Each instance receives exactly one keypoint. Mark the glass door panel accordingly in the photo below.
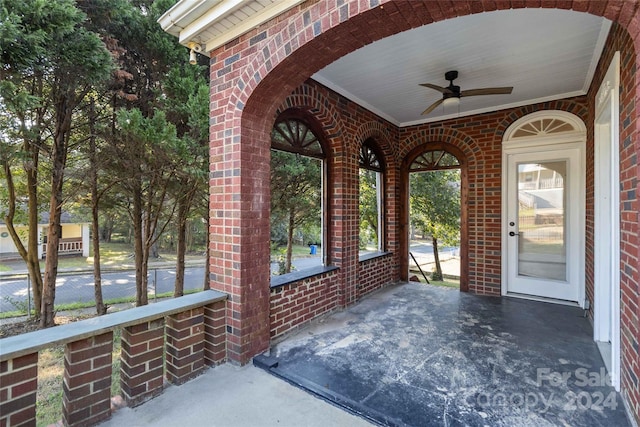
(541, 220)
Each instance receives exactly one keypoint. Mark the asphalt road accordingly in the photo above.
(80, 287)
(423, 252)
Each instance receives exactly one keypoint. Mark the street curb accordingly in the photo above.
(5, 275)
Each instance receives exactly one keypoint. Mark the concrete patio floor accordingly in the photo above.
(419, 355)
(233, 396)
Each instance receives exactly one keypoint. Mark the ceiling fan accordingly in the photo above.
(453, 92)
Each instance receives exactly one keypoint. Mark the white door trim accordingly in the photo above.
(606, 304)
(546, 140)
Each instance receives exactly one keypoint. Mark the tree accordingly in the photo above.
(94, 167)
(20, 145)
(435, 208)
(187, 106)
(141, 155)
(49, 63)
(157, 82)
(81, 60)
(108, 18)
(295, 194)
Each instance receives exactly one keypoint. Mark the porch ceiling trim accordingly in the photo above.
(212, 23)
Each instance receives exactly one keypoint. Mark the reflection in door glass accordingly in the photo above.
(541, 220)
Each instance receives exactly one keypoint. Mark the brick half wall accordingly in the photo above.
(375, 273)
(296, 303)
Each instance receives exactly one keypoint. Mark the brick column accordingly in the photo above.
(87, 381)
(185, 345)
(215, 329)
(18, 385)
(239, 230)
(141, 370)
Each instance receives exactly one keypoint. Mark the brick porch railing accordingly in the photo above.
(193, 328)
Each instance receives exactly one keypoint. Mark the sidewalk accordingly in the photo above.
(233, 396)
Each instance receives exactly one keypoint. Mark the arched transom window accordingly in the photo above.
(543, 126)
(295, 136)
(434, 160)
(368, 158)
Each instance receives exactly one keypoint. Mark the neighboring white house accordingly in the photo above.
(74, 238)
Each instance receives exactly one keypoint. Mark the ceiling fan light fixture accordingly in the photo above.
(452, 93)
(453, 101)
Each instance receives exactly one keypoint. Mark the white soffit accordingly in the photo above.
(545, 54)
(212, 23)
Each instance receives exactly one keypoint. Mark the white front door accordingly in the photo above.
(544, 215)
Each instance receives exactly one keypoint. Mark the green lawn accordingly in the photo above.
(447, 283)
(298, 251)
(22, 311)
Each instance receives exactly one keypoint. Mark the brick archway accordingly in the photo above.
(312, 101)
(251, 76)
(307, 98)
(385, 141)
(383, 137)
(323, 32)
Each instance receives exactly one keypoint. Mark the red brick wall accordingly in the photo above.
(142, 361)
(276, 58)
(345, 126)
(479, 138)
(375, 273)
(18, 389)
(619, 40)
(86, 383)
(296, 303)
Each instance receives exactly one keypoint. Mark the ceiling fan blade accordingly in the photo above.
(432, 107)
(436, 87)
(487, 91)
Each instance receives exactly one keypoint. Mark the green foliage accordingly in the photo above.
(296, 198)
(127, 87)
(46, 40)
(154, 131)
(295, 190)
(368, 209)
(281, 259)
(21, 307)
(47, 55)
(435, 204)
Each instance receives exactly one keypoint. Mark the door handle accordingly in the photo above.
(513, 233)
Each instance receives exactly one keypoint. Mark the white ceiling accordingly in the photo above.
(545, 54)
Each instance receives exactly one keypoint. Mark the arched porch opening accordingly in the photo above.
(278, 57)
(410, 165)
